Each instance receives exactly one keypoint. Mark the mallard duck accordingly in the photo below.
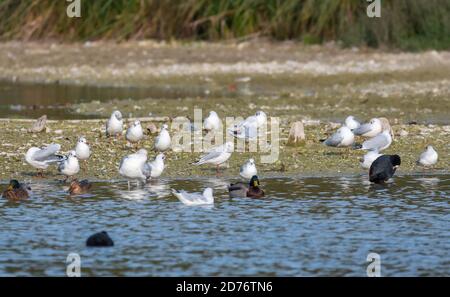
(242, 190)
(81, 187)
(15, 191)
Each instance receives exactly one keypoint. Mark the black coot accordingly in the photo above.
(383, 168)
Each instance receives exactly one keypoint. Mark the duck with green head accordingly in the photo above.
(252, 190)
(15, 191)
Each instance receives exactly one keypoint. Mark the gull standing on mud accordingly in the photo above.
(248, 169)
(134, 132)
(82, 149)
(429, 157)
(248, 128)
(342, 137)
(41, 158)
(69, 166)
(351, 123)
(163, 141)
(380, 142)
(217, 155)
(212, 122)
(132, 166)
(204, 198)
(370, 129)
(368, 158)
(154, 168)
(114, 126)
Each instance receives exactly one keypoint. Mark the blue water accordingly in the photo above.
(304, 227)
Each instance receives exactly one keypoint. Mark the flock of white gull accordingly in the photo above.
(135, 166)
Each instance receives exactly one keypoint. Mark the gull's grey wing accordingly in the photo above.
(61, 166)
(334, 140)
(209, 156)
(364, 128)
(147, 170)
(376, 142)
(46, 152)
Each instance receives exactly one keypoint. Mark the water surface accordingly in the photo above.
(304, 227)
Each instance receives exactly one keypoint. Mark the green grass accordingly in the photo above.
(405, 24)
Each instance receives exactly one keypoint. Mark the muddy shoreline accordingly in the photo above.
(308, 159)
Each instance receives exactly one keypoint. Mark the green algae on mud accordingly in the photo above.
(310, 159)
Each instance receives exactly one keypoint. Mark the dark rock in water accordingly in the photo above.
(100, 239)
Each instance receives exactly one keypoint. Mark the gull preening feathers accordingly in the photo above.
(155, 168)
(163, 141)
(429, 157)
(211, 122)
(351, 123)
(114, 126)
(41, 158)
(370, 129)
(342, 137)
(204, 198)
(248, 169)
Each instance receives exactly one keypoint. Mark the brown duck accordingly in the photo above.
(242, 190)
(77, 188)
(15, 191)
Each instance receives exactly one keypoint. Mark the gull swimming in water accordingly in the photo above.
(41, 158)
(134, 132)
(163, 141)
(132, 166)
(248, 169)
(211, 122)
(69, 165)
(370, 129)
(429, 157)
(82, 149)
(380, 142)
(155, 168)
(351, 122)
(383, 168)
(204, 198)
(217, 155)
(368, 158)
(248, 128)
(342, 137)
(114, 126)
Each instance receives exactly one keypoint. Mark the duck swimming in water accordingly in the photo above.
(242, 190)
(15, 191)
(77, 188)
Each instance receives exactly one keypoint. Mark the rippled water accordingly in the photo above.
(304, 227)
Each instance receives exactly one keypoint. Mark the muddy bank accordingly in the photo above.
(310, 158)
(285, 79)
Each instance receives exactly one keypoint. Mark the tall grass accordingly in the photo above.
(406, 24)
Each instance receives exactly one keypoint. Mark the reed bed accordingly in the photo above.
(404, 24)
